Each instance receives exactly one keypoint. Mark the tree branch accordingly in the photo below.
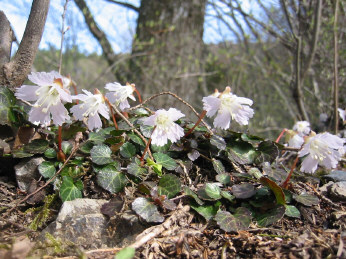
(15, 72)
(96, 32)
(127, 5)
(6, 37)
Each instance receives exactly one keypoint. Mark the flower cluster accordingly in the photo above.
(295, 137)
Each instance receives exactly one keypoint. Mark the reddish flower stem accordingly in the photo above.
(113, 116)
(146, 148)
(139, 95)
(285, 183)
(60, 155)
(200, 118)
(280, 136)
(75, 91)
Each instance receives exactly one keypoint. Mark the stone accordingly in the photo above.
(338, 191)
(336, 176)
(80, 221)
(26, 171)
(325, 189)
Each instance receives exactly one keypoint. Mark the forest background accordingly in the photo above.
(286, 55)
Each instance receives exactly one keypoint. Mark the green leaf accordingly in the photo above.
(126, 253)
(227, 195)
(233, 223)
(47, 169)
(50, 153)
(306, 199)
(243, 191)
(71, 131)
(219, 142)
(68, 190)
(7, 100)
(161, 149)
(97, 137)
(37, 146)
(86, 147)
(128, 150)
(218, 166)
(147, 210)
(241, 152)
(146, 130)
(111, 180)
(213, 191)
(66, 147)
(292, 211)
(136, 170)
(101, 155)
(169, 185)
(223, 178)
(20, 153)
(136, 139)
(72, 171)
(207, 211)
(271, 216)
(277, 190)
(166, 161)
(156, 167)
(193, 195)
(268, 152)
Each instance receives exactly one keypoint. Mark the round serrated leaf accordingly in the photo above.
(223, 178)
(207, 211)
(271, 216)
(136, 139)
(111, 180)
(227, 195)
(306, 199)
(7, 100)
(166, 161)
(97, 137)
(101, 155)
(66, 147)
(147, 210)
(86, 147)
(169, 185)
(136, 170)
(292, 211)
(161, 149)
(47, 169)
(219, 142)
(233, 223)
(50, 153)
(146, 130)
(218, 166)
(243, 191)
(128, 150)
(193, 195)
(213, 191)
(68, 190)
(37, 146)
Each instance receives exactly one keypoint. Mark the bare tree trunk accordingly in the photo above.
(14, 72)
(6, 38)
(171, 34)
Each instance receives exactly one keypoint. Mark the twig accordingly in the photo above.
(178, 98)
(48, 182)
(62, 34)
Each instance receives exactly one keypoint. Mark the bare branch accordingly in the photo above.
(127, 5)
(15, 72)
(96, 31)
(6, 37)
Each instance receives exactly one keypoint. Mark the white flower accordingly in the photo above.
(322, 149)
(228, 106)
(342, 114)
(294, 139)
(49, 93)
(119, 93)
(165, 128)
(92, 105)
(302, 127)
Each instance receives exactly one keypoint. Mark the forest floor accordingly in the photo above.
(319, 233)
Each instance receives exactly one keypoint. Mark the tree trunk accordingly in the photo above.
(169, 34)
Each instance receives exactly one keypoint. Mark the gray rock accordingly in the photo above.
(325, 189)
(338, 191)
(26, 171)
(336, 176)
(80, 221)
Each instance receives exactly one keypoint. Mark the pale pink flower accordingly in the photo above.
(92, 105)
(119, 93)
(165, 126)
(322, 149)
(302, 127)
(295, 140)
(49, 94)
(342, 114)
(228, 107)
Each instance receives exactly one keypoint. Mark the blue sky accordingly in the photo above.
(118, 22)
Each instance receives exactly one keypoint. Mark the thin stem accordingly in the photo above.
(285, 183)
(60, 155)
(203, 113)
(280, 136)
(147, 147)
(75, 90)
(111, 109)
(139, 95)
(336, 78)
(178, 98)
